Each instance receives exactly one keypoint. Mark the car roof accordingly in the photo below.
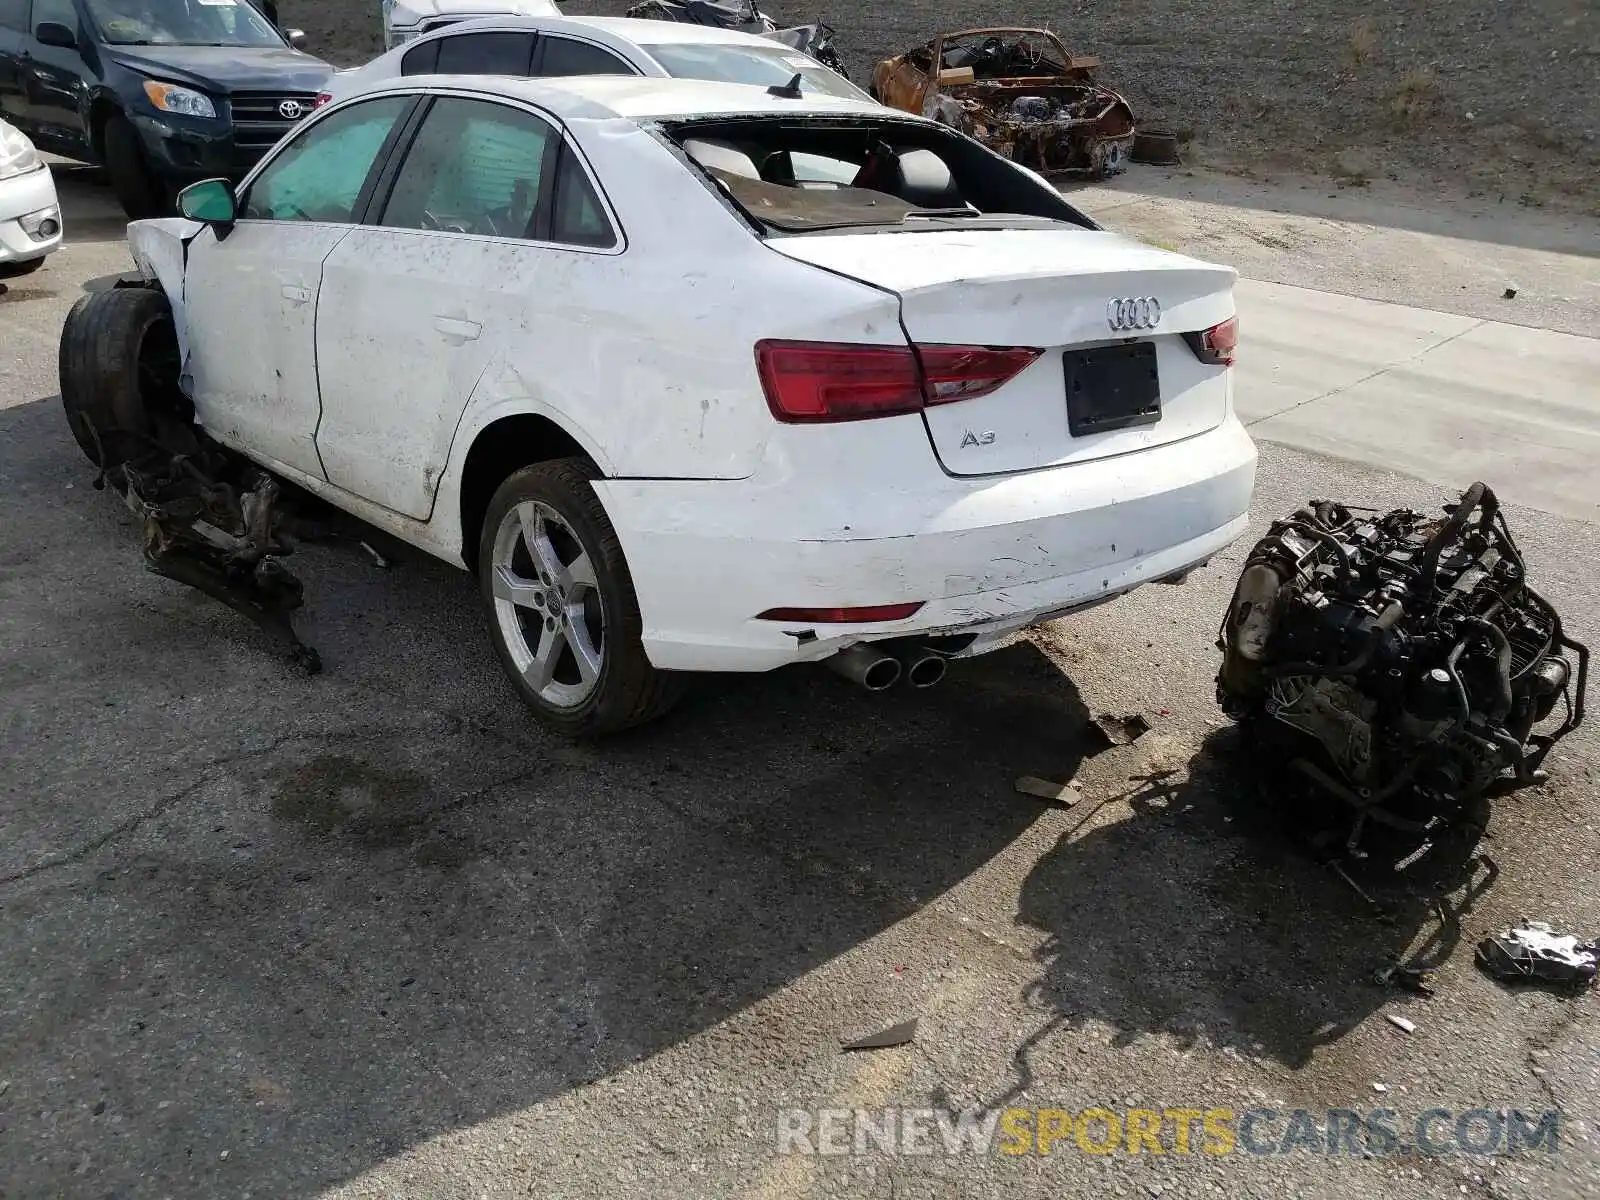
(614, 30)
(635, 98)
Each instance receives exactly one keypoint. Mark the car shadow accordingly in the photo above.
(1206, 916)
(312, 922)
(89, 210)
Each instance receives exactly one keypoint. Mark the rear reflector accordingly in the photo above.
(842, 616)
(842, 381)
(1217, 344)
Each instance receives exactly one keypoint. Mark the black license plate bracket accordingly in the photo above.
(1112, 387)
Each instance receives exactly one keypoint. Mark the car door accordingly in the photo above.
(251, 291)
(906, 85)
(430, 295)
(55, 81)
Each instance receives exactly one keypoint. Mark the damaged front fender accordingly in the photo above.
(160, 250)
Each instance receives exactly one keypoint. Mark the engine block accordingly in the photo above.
(1399, 656)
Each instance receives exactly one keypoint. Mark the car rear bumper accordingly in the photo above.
(982, 556)
(25, 201)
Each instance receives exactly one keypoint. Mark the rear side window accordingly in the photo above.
(579, 219)
(484, 54)
(422, 59)
(320, 175)
(563, 56)
(475, 167)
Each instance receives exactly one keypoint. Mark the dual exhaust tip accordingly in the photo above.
(880, 667)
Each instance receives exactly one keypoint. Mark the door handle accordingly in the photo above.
(457, 329)
(296, 295)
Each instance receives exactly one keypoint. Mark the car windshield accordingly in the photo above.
(182, 23)
(794, 175)
(752, 64)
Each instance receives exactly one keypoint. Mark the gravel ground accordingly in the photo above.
(1493, 99)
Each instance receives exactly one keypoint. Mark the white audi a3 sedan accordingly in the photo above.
(695, 377)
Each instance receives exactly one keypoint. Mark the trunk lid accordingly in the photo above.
(1048, 289)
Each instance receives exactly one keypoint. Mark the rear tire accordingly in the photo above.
(138, 190)
(119, 367)
(563, 614)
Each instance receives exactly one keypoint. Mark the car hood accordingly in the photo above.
(226, 69)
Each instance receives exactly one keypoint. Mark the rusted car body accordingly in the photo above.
(1020, 92)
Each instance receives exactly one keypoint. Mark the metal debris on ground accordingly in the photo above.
(1064, 794)
(895, 1035)
(1020, 92)
(1398, 663)
(1157, 147)
(1416, 980)
(1401, 1023)
(1534, 952)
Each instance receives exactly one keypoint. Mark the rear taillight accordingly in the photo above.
(1217, 344)
(324, 98)
(841, 381)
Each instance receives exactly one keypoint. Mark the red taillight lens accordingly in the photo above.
(324, 98)
(1217, 344)
(843, 616)
(966, 372)
(841, 381)
(827, 381)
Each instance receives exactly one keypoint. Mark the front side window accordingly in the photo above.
(563, 56)
(320, 175)
(475, 167)
(180, 23)
(58, 12)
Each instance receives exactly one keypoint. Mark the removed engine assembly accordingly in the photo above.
(1399, 663)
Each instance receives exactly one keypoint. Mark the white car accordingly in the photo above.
(407, 19)
(30, 214)
(628, 350)
(566, 46)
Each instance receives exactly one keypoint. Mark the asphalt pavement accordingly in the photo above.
(376, 934)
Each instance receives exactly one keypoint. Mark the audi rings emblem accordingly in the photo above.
(291, 110)
(1133, 312)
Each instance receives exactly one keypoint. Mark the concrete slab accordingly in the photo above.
(1444, 398)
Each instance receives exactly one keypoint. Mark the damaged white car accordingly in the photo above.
(692, 376)
(404, 20)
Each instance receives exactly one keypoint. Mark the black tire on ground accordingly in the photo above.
(12, 270)
(630, 691)
(138, 190)
(118, 366)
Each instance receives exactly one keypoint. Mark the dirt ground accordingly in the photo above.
(1492, 100)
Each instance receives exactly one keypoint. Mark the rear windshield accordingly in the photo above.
(752, 64)
(806, 175)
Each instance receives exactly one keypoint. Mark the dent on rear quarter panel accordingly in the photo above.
(157, 247)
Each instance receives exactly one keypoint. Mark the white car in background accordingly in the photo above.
(692, 376)
(559, 46)
(30, 214)
(407, 19)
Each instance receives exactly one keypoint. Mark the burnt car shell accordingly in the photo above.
(1020, 92)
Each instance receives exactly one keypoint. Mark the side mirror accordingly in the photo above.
(297, 38)
(53, 33)
(210, 200)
